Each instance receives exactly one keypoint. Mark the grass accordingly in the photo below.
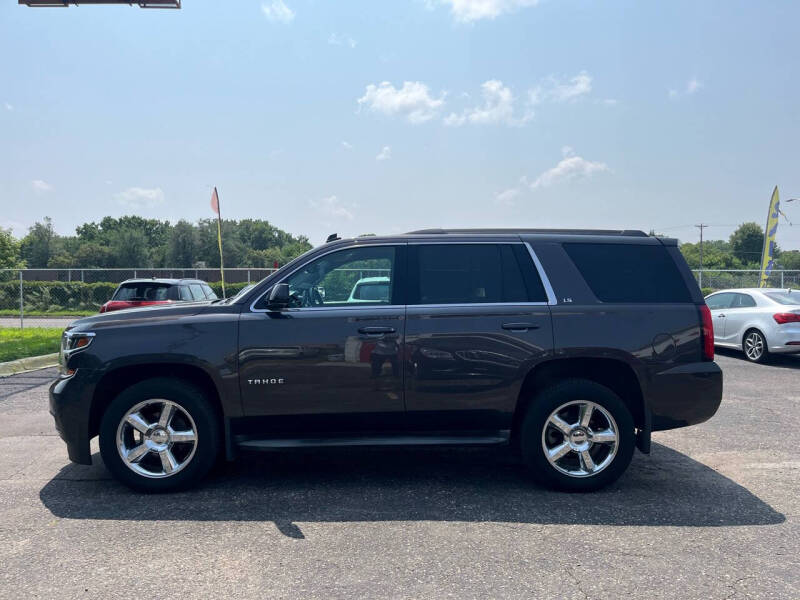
(21, 343)
(49, 313)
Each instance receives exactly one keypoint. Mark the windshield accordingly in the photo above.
(788, 297)
(142, 291)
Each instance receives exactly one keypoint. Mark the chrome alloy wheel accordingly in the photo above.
(579, 438)
(156, 438)
(754, 345)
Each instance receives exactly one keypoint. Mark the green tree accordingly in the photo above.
(9, 250)
(39, 245)
(747, 242)
(181, 246)
(130, 248)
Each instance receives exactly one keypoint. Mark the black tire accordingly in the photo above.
(761, 358)
(187, 398)
(533, 436)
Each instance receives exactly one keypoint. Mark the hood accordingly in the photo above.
(146, 314)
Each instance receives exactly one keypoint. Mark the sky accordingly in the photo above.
(383, 117)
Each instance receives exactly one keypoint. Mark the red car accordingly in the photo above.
(146, 292)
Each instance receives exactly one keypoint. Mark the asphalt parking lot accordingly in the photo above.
(712, 513)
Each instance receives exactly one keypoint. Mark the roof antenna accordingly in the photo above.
(332, 238)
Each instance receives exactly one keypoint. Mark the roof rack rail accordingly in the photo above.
(627, 232)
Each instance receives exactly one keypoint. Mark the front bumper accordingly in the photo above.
(70, 405)
(685, 395)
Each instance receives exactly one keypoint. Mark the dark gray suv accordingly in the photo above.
(571, 346)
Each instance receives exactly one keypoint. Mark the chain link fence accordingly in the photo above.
(33, 297)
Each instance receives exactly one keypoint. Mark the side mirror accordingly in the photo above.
(279, 297)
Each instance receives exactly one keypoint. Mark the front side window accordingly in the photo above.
(351, 277)
(720, 301)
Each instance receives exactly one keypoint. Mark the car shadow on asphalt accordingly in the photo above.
(415, 484)
(784, 361)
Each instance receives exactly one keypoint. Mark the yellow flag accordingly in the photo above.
(767, 254)
(215, 208)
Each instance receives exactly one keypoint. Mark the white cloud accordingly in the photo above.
(692, 87)
(413, 101)
(41, 186)
(385, 153)
(347, 145)
(559, 90)
(498, 107)
(331, 206)
(571, 167)
(136, 197)
(506, 197)
(8, 106)
(468, 11)
(277, 11)
(336, 39)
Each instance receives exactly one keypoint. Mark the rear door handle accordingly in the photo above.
(375, 331)
(519, 326)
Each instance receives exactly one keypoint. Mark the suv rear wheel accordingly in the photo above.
(159, 435)
(577, 436)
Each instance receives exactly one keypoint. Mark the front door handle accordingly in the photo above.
(375, 331)
(720, 316)
(519, 326)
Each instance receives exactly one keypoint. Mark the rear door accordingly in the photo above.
(477, 320)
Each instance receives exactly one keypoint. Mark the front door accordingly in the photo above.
(477, 321)
(331, 361)
(719, 304)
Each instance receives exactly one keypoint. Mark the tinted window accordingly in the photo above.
(719, 301)
(144, 290)
(197, 291)
(468, 273)
(743, 301)
(629, 272)
(185, 294)
(331, 279)
(208, 291)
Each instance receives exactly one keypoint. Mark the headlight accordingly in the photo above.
(72, 342)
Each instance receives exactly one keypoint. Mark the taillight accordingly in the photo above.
(783, 318)
(708, 332)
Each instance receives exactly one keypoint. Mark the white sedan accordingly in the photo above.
(758, 321)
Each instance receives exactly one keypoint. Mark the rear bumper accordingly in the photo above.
(685, 395)
(70, 405)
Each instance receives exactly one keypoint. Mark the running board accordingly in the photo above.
(488, 439)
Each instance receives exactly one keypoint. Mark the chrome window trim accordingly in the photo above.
(551, 295)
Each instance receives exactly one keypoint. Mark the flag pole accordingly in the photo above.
(219, 241)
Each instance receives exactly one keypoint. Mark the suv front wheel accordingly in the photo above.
(159, 435)
(577, 436)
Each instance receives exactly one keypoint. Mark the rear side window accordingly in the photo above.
(185, 294)
(629, 272)
(467, 274)
(208, 291)
(743, 301)
(142, 291)
(197, 291)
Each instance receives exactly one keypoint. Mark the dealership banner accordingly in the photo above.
(767, 254)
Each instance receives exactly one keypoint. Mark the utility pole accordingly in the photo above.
(701, 226)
